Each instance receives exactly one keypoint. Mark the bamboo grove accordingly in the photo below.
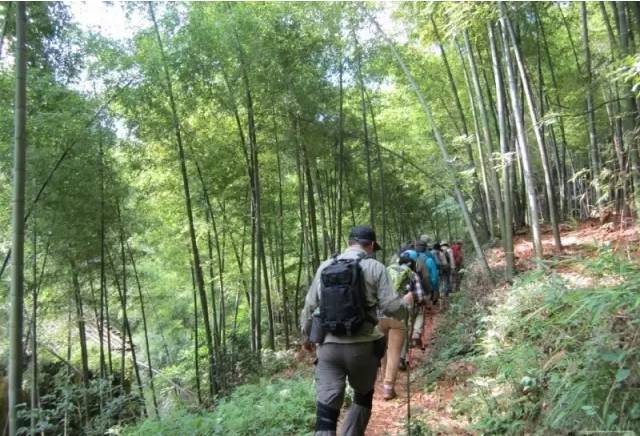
(183, 183)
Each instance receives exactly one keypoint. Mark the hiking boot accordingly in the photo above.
(388, 393)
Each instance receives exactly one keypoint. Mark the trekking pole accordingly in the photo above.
(407, 335)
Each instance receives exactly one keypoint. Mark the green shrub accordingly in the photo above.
(566, 358)
(552, 356)
(283, 407)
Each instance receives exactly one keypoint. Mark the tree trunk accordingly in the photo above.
(187, 198)
(522, 142)
(82, 336)
(479, 204)
(17, 221)
(340, 164)
(312, 231)
(493, 178)
(196, 345)
(629, 110)
(296, 298)
(383, 206)
(35, 398)
(103, 279)
(365, 131)
(454, 89)
(283, 276)
(123, 292)
(594, 153)
(267, 288)
(536, 129)
(322, 205)
(483, 166)
(108, 321)
(146, 331)
(506, 160)
(570, 36)
(214, 311)
(562, 171)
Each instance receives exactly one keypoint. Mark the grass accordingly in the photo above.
(281, 407)
(548, 357)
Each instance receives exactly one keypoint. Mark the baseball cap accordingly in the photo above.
(411, 254)
(365, 235)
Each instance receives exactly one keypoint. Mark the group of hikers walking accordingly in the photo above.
(359, 315)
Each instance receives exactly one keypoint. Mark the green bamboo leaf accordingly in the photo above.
(622, 375)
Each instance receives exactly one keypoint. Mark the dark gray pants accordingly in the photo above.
(336, 363)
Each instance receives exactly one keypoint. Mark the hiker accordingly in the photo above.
(428, 272)
(421, 268)
(431, 265)
(451, 263)
(348, 289)
(404, 280)
(456, 249)
(443, 271)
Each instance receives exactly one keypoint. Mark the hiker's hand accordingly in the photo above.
(409, 298)
(308, 346)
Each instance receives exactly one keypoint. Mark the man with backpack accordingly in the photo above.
(404, 280)
(430, 264)
(348, 290)
(448, 267)
(425, 264)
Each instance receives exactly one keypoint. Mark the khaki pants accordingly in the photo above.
(394, 330)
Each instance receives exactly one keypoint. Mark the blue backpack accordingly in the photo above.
(433, 268)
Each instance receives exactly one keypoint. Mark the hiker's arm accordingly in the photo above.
(311, 302)
(389, 301)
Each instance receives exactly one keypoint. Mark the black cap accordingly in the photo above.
(364, 235)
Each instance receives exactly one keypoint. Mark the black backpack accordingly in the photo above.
(342, 297)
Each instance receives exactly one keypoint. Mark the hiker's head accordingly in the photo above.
(408, 257)
(420, 246)
(404, 247)
(365, 237)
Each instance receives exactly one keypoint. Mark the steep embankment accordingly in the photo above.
(554, 353)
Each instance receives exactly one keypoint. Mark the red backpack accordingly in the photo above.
(457, 254)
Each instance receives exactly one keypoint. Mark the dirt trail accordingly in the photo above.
(389, 417)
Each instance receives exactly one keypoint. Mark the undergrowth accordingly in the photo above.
(544, 357)
(281, 407)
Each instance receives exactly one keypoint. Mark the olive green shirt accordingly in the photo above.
(378, 293)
